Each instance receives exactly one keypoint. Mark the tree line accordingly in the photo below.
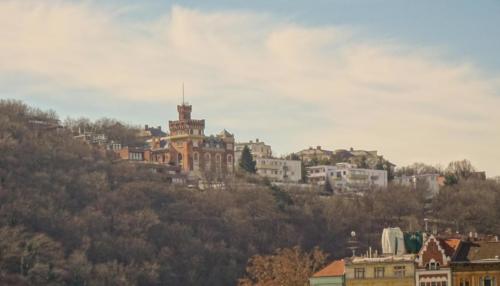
(71, 214)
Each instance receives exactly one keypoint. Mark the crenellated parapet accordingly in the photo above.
(179, 125)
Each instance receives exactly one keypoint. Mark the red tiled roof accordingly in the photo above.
(335, 268)
(450, 246)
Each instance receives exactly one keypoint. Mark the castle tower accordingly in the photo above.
(186, 135)
(184, 111)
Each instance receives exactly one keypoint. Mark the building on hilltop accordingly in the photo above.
(187, 147)
(258, 149)
(195, 152)
(276, 169)
(312, 155)
(345, 177)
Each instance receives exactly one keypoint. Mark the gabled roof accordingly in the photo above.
(336, 268)
(450, 246)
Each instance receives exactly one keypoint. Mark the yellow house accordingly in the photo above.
(477, 263)
(380, 271)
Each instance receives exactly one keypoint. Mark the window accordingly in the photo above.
(207, 161)
(359, 273)
(399, 271)
(464, 282)
(433, 265)
(195, 156)
(487, 281)
(179, 159)
(218, 161)
(379, 272)
(229, 159)
(135, 156)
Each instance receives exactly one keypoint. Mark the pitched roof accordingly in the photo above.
(479, 250)
(450, 246)
(336, 268)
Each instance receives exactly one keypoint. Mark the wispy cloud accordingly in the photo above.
(292, 85)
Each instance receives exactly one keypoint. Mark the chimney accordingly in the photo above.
(257, 140)
(318, 147)
(159, 128)
(146, 127)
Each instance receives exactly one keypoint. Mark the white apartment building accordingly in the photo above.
(317, 175)
(276, 169)
(345, 177)
(281, 170)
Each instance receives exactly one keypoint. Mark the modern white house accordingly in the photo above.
(281, 170)
(276, 169)
(317, 175)
(345, 177)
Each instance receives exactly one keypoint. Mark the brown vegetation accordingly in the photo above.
(71, 214)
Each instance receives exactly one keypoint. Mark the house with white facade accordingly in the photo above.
(281, 170)
(345, 177)
(276, 169)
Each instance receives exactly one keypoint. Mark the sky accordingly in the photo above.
(419, 81)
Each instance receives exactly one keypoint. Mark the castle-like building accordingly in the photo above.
(186, 147)
(193, 151)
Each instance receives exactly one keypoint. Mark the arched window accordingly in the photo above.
(218, 161)
(229, 159)
(179, 159)
(207, 159)
(195, 156)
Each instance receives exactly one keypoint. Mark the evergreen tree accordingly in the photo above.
(246, 162)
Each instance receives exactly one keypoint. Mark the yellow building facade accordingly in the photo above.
(477, 263)
(477, 274)
(380, 271)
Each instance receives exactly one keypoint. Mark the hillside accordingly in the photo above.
(74, 215)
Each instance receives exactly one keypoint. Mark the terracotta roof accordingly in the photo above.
(450, 245)
(336, 268)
